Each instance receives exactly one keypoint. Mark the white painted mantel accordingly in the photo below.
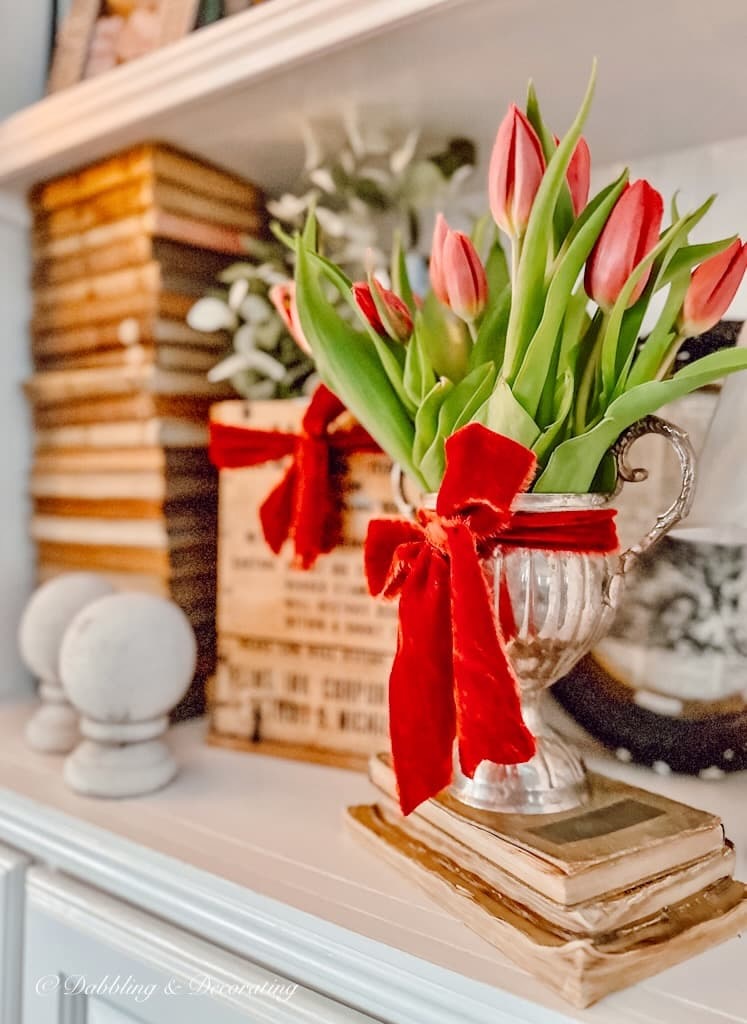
(243, 868)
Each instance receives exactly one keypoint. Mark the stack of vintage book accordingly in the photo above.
(589, 900)
(121, 482)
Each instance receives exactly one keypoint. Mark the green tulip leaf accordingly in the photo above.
(657, 346)
(426, 418)
(445, 339)
(546, 442)
(574, 464)
(491, 334)
(418, 377)
(690, 256)
(541, 351)
(504, 415)
(348, 363)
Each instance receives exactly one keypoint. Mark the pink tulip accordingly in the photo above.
(712, 287)
(516, 168)
(435, 268)
(578, 175)
(631, 232)
(283, 298)
(395, 321)
(464, 276)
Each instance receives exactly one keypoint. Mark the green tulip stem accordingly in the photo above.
(667, 362)
(516, 244)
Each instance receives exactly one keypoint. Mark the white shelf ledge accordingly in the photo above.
(671, 75)
(250, 853)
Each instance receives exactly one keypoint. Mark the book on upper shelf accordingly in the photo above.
(148, 160)
(57, 387)
(119, 412)
(139, 196)
(161, 431)
(131, 250)
(114, 336)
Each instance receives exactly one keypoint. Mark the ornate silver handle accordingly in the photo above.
(627, 474)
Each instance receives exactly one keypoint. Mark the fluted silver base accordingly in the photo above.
(554, 780)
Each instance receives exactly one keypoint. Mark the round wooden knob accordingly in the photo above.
(49, 612)
(53, 728)
(128, 658)
(125, 661)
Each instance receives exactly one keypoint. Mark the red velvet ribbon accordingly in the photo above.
(304, 505)
(451, 677)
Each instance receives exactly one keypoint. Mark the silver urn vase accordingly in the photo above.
(562, 604)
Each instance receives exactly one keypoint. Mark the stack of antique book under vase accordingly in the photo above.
(589, 900)
(121, 482)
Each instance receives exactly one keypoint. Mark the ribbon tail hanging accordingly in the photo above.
(421, 699)
(490, 726)
(277, 510)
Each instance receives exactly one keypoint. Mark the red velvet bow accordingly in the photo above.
(451, 677)
(304, 505)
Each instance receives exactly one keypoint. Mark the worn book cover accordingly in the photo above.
(137, 196)
(600, 915)
(136, 459)
(135, 304)
(149, 160)
(147, 277)
(621, 837)
(166, 562)
(111, 409)
(581, 969)
(115, 335)
(131, 250)
(148, 225)
(179, 358)
(146, 484)
(57, 387)
(163, 432)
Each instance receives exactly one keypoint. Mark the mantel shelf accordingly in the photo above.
(250, 852)
(235, 91)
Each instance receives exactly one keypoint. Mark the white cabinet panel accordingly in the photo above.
(90, 959)
(12, 869)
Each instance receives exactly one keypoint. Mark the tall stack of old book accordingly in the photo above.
(121, 482)
(589, 900)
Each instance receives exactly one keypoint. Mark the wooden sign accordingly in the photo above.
(304, 657)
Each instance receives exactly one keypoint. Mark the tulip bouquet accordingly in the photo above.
(543, 346)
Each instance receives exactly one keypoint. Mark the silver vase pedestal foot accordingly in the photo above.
(554, 780)
(562, 604)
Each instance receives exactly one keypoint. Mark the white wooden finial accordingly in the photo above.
(126, 661)
(53, 728)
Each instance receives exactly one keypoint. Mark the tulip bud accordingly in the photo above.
(384, 311)
(631, 232)
(283, 298)
(464, 276)
(516, 168)
(435, 268)
(712, 287)
(578, 175)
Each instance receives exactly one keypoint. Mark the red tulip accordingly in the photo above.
(283, 298)
(435, 268)
(391, 317)
(631, 232)
(464, 276)
(712, 287)
(578, 174)
(516, 168)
